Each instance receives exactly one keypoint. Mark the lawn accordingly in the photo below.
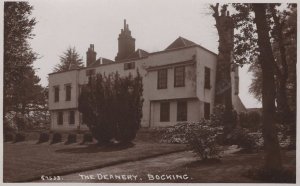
(231, 169)
(25, 161)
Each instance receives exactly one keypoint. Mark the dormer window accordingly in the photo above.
(128, 66)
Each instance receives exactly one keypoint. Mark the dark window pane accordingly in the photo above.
(128, 66)
(56, 94)
(165, 111)
(207, 78)
(207, 110)
(162, 79)
(60, 118)
(68, 92)
(72, 117)
(179, 76)
(181, 111)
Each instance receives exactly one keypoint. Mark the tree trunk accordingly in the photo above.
(224, 24)
(282, 100)
(271, 144)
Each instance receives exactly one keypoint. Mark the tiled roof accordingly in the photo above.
(101, 61)
(180, 42)
(139, 53)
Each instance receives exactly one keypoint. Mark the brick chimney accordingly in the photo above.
(90, 55)
(126, 44)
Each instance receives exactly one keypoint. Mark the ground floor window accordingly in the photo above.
(72, 117)
(60, 118)
(207, 110)
(181, 110)
(165, 111)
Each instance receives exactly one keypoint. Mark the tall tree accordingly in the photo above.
(22, 92)
(285, 49)
(69, 60)
(18, 55)
(272, 149)
(253, 44)
(224, 25)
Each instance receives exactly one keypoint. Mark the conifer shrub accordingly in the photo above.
(111, 106)
(44, 137)
(19, 137)
(72, 138)
(56, 138)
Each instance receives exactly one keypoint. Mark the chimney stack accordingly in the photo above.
(90, 55)
(126, 43)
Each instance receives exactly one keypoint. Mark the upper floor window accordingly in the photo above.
(68, 92)
(72, 117)
(207, 78)
(60, 118)
(56, 93)
(207, 110)
(181, 111)
(179, 76)
(162, 79)
(90, 72)
(128, 66)
(165, 111)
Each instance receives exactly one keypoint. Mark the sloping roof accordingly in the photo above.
(139, 53)
(180, 42)
(101, 61)
(239, 106)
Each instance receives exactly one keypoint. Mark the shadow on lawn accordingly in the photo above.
(95, 148)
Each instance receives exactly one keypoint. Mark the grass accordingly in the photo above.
(231, 169)
(26, 161)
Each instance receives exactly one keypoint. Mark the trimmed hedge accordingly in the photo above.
(72, 138)
(56, 138)
(44, 137)
(19, 137)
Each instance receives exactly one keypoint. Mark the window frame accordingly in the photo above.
(162, 79)
(164, 112)
(180, 110)
(176, 76)
(207, 73)
(206, 110)
(129, 66)
(60, 118)
(56, 93)
(68, 94)
(72, 117)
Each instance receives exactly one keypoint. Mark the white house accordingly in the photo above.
(179, 83)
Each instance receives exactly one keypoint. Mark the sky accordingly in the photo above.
(153, 23)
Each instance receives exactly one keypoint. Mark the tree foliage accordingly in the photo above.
(22, 92)
(111, 106)
(69, 60)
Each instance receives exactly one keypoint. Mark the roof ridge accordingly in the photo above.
(183, 40)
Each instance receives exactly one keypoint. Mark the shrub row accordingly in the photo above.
(45, 137)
